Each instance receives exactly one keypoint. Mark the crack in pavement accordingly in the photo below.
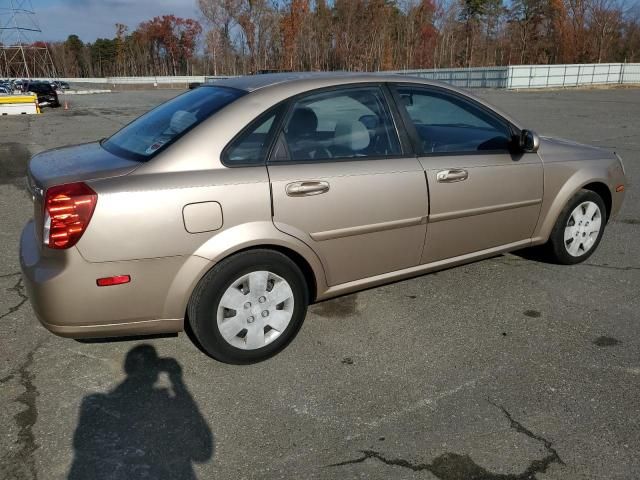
(629, 221)
(7, 275)
(525, 263)
(522, 263)
(611, 267)
(20, 462)
(518, 427)
(516, 263)
(19, 289)
(453, 466)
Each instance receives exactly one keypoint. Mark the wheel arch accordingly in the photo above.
(592, 179)
(302, 263)
(603, 192)
(214, 251)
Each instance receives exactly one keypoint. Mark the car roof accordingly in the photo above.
(296, 82)
(251, 83)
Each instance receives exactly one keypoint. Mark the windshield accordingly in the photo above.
(148, 134)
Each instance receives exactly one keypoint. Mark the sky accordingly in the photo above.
(91, 19)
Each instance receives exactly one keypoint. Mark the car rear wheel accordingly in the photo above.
(249, 306)
(579, 228)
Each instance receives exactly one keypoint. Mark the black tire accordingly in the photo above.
(555, 248)
(206, 297)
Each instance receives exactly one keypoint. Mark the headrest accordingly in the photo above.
(351, 135)
(369, 121)
(181, 120)
(303, 121)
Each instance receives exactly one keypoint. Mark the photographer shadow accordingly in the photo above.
(141, 429)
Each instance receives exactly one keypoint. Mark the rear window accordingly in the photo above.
(155, 130)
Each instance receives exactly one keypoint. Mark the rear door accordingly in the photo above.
(343, 182)
(482, 193)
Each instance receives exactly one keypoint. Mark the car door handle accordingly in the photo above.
(452, 175)
(306, 188)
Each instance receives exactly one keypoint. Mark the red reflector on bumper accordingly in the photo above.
(620, 188)
(117, 280)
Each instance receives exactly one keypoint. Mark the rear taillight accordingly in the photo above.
(67, 212)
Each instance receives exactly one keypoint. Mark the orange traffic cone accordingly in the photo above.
(66, 105)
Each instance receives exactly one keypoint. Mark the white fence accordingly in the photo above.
(167, 80)
(534, 76)
(554, 76)
(514, 77)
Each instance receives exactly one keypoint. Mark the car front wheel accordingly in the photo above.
(579, 228)
(249, 306)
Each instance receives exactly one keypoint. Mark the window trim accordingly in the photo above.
(413, 133)
(279, 110)
(406, 149)
(406, 143)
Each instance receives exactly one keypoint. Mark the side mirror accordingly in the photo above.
(529, 141)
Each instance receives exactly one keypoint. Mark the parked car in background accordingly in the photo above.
(60, 85)
(47, 95)
(235, 205)
(8, 83)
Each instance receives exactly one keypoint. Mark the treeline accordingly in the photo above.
(244, 36)
(165, 45)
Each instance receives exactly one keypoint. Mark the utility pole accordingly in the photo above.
(22, 54)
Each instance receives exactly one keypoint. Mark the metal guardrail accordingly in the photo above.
(512, 77)
(152, 80)
(165, 80)
(477, 77)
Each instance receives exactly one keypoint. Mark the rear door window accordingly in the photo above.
(341, 124)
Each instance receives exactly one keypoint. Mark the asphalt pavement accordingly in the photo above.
(507, 368)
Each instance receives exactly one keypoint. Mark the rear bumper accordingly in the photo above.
(146, 327)
(62, 289)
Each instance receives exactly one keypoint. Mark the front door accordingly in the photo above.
(482, 194)
(342, 184)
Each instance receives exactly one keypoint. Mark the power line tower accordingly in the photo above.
(21, 56)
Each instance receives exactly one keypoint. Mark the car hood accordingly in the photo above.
(77, 163)
(562, 150)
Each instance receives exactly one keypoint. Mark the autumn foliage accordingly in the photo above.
(164, 45)
(245, 36)
(253, 35)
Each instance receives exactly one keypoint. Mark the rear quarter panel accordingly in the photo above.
(140, 216)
